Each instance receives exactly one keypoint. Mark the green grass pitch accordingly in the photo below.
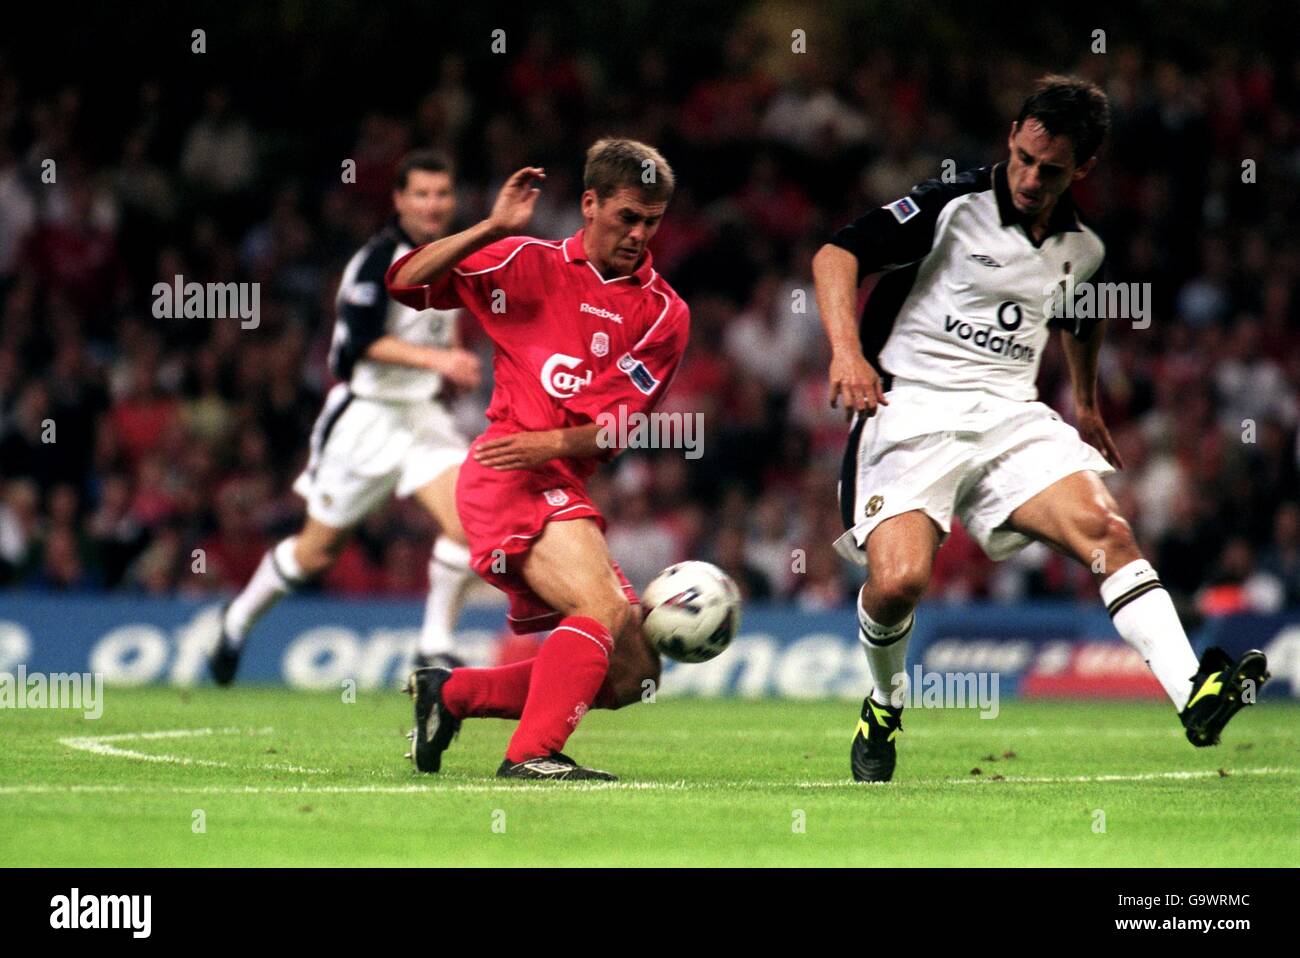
(276, 777)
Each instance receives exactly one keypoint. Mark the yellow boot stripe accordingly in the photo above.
(1211, 686)
(881, 717)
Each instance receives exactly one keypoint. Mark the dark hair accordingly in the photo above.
(430, 161)
(613, 164)
(1071, 107)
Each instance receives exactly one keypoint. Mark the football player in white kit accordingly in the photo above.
(382, 431)
(946, 419)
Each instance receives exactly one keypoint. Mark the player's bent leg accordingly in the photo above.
(449, 573)
(900, 555)
(318, 547)
(501, 691)
(570, 569)
(290, 565)
(634, 669)
(633, 672)
(438, 497)
(1078, 516)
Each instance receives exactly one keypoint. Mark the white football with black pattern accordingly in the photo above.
(692, 611)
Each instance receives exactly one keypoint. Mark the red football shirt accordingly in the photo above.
(570, 344)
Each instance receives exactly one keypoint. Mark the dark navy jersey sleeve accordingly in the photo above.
(902, 232)
(362, 306)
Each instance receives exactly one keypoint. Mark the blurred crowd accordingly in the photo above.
(156, 455)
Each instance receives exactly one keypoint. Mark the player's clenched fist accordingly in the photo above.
(514, 204)
(460, 366)
(855, 381)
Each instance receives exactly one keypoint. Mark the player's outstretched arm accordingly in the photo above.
(460, 366)
(510, 214)
(526, 450)
(1081, 359)
(835, 274)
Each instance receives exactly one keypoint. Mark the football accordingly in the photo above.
(692, 611)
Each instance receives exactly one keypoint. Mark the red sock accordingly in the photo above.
(488, 693)
(567, 673)
(501, 692)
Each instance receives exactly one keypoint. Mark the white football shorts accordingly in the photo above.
(364, 450)
(966, 453)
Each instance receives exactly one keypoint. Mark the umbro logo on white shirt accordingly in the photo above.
(602, 313)
(986, 260)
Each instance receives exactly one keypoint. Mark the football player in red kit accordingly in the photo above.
(583, 328)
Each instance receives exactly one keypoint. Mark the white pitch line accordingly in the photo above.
(182, 733)
(988, 727)
(1140, 777)
(678, 786)
(345, 789)
(979, 729)
(100, 745)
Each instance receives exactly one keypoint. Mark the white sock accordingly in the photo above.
(277, 575)
(449, 574)
(1144, 615)
(886, 650)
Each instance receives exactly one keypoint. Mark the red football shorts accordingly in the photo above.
(503, 513)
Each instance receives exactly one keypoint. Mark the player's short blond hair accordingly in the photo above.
(615, 163)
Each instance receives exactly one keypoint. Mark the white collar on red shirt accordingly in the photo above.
(575, 253)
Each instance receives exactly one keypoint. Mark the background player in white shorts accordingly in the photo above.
(946, 419)
(382, 430)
